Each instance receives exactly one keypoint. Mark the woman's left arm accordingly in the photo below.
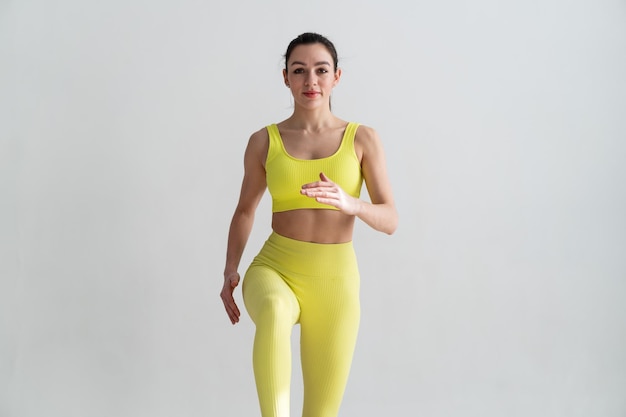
(381, 213)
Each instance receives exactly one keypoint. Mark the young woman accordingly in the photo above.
(313, 165)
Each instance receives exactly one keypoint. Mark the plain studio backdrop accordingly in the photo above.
(122, 131)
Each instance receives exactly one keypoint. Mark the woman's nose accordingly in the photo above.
(310, 79)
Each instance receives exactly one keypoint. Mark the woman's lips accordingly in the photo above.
(311, 94)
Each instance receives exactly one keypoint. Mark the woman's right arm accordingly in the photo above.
(252, 188)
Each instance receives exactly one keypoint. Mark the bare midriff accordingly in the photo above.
(314, 225)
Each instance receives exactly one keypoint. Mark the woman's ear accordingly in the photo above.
(285, 77)
(337, 76)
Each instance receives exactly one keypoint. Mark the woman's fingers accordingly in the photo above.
(232, 310)
(324, 182)
(230, 283)
(323, 177)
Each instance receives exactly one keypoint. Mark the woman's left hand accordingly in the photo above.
(326, 191)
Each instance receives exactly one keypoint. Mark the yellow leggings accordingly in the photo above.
(316, 285)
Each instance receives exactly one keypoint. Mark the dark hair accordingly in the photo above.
(308, 38)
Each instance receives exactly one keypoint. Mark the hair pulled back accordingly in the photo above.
(308, 38)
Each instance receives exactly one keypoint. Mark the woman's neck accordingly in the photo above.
(311, 119)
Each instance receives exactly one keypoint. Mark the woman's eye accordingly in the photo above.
(322, 70)
(298, 71)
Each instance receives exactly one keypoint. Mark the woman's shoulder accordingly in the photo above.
(260, 136)
(366, 135)
(258, 142)
(365, 130)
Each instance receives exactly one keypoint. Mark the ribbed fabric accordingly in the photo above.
(285, 174)
(316, 285)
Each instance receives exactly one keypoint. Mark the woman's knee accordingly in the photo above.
(269, 299)
(276, 308)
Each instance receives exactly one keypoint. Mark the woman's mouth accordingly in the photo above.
(311, 94)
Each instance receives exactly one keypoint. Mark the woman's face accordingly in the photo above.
(310, 75)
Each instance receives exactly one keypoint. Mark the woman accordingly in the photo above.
(313, 165)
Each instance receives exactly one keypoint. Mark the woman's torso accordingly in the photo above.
(314, 224)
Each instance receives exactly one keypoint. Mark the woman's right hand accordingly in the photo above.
(230, 283)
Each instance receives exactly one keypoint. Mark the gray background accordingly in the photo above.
(123, 125)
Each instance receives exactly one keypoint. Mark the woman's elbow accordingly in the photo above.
(392, 224)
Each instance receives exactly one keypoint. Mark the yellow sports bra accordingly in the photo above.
(285, 174)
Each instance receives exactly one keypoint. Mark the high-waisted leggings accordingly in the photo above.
(317, 286)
